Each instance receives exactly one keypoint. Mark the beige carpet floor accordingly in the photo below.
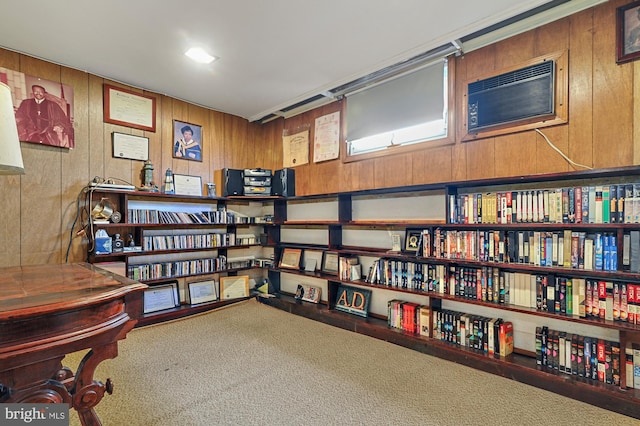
(250, 364)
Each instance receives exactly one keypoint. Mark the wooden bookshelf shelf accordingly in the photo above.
(457, 247)
(209, 241)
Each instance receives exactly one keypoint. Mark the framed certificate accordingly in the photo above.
(130, 146)
(127, 108)
(161, 297)
(187, 185)
(234, 287)
(202, 292)
(291, 258)
(330, 262)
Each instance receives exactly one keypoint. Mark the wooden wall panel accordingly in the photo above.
(216, 135)
(75, 163)
(612, 94)
(394, 170)
(515, 154)
(433, 165)
(636, 112)
(10, 194)
(580, 140)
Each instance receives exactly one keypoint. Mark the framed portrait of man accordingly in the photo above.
(44, 109)
(187, 141)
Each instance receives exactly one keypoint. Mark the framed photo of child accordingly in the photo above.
(187, 141)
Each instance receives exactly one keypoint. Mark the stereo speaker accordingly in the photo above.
(284, 183)
(228, 182)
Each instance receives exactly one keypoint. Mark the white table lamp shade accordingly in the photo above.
(10, 155)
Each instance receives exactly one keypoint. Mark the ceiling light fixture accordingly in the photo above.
(199, 55)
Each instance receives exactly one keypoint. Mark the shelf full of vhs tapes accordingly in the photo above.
(553, 258)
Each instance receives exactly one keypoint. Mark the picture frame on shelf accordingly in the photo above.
(187, 185)
(187, 141)
(308, 293)
(234, 287)
(202, 292)
(130, 109)
(161, 297)
(330, 262)
(412, 240)
(290, 258)
(353, 300)
(628, 32)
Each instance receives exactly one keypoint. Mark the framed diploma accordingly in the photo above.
(234, 287)
(127, 108)
(202, 292)
(291, 258)
(187, 185)
(161, 297)
(130, 146)
(330, 262)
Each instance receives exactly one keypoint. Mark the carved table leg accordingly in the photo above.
(86, 392)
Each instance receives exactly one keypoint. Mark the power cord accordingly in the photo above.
(570, 161)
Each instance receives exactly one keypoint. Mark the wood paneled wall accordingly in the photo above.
(604, 98)
(38, 208)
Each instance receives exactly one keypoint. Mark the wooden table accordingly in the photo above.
(48, 311)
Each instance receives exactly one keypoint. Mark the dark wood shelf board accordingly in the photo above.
(516, 367)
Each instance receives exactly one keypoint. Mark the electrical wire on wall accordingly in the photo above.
(84, 202)
(562, 154)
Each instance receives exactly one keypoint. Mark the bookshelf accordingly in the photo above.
(363, 224)
(181, 239)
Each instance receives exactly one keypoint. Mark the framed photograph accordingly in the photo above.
(187, 185)
(412, 240)
(290, 258)
(330, 261)
(234, 287)
(161, 297)
(33, 96)
(187, 139)
(127, 108)
(130, 146)
(628, 32)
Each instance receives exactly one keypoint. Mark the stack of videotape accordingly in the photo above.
(257, 182)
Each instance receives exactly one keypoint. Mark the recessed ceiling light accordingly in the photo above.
(199, 55)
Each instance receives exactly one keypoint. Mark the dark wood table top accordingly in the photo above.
(43, 289)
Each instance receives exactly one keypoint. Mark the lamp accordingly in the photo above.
(10, 155)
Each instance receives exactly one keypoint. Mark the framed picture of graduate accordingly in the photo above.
(628, 32)
(187, 141)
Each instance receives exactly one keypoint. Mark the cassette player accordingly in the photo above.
(257, 190)
(257, 181)
(256, 172)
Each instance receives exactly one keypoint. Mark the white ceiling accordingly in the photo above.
(273, 53)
